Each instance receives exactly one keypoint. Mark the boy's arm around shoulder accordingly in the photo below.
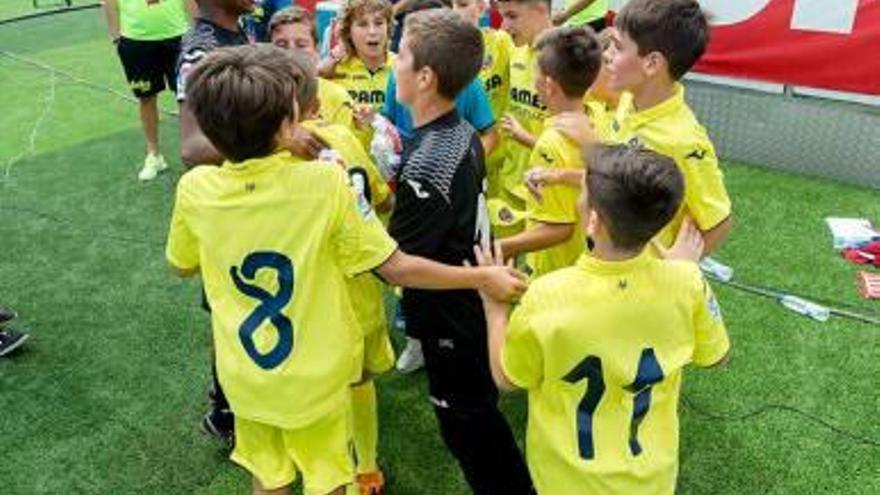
(182, 247)
(362, 245)
(515, 358)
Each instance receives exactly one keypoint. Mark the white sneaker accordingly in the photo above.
(411, 359)
(150, 169)
(161, 166)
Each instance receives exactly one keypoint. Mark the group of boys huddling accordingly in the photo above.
(561, 261)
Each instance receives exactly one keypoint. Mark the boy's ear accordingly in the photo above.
(426, 79)
(654, 63)
(553, 87)
(594, 224)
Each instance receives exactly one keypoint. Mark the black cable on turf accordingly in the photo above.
(48, 13)
(768, 408)
(818, 299)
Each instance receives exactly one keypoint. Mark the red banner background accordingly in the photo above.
(766, 48)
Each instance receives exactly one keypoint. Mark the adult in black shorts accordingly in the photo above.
(147, 37)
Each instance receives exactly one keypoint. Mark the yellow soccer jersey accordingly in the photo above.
(495, 73)
(602, 117)
(601, 347)
(336, 104)
(365, 290)
(671, 129)
(526, 106)
(274, 238)
(365, 87)
(558, 205)
(495, 76)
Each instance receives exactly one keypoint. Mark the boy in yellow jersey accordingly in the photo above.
(293, 28)
(601, 346)
(365, 291)
(361, 63)
(273, 238)
(660, 40)
(601, 100)
(568, 61)
(600, 103)
(495, 76)
(524, 120)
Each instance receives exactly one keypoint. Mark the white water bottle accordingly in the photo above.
(806, 308)
(717, 269)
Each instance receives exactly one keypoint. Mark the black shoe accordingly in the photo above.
(11, 340)
(7, 315)
(220, 424)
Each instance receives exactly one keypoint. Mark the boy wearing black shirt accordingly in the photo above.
(440, 214)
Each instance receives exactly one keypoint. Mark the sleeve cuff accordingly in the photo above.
(376, 261)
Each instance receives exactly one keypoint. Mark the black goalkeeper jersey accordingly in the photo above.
(440, 214)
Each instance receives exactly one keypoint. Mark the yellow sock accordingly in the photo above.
(365, 426)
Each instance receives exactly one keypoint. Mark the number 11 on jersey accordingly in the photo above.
(649, 373)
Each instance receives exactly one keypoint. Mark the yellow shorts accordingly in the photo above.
(320, 451)
(378, 353)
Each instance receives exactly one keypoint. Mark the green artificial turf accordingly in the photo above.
(107, 396)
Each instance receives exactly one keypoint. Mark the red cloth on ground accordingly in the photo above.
(865, 255)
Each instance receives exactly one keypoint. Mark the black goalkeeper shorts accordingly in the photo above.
(150, 66)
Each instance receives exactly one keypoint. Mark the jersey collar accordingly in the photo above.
(667, 107)
(256, 165)
(359, 65)
(594, 265)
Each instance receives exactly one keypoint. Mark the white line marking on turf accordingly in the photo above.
(49, 100)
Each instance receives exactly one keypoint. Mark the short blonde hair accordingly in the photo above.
(294, 15)
(355, 9)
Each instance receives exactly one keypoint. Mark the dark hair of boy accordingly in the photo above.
(572, 56)
(420, 5)
(677, 29)
(449, 45)
(306, 74)
(635, 192)
(241, 95)
(548, 2)
(294, 15)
